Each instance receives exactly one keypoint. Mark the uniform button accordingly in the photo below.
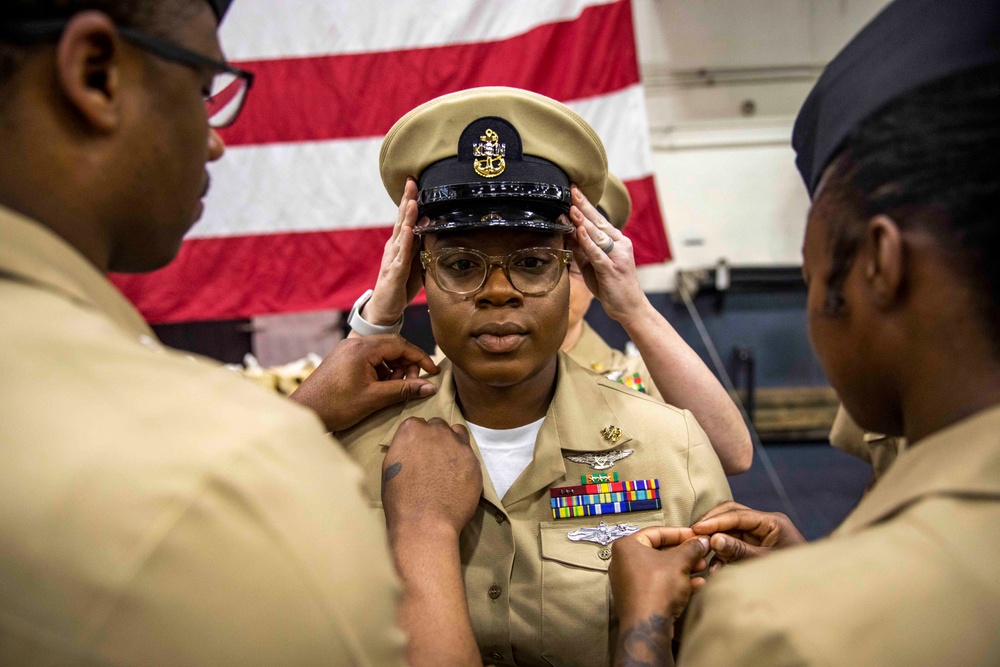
(495, 591)
(495, 656)
(604, 554)
(500, 517)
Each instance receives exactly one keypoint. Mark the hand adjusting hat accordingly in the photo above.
(616, 204)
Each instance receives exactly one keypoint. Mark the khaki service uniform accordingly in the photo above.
(535, 597)
(907, 579)
(877, 449)
(592, 352)
(160, 510)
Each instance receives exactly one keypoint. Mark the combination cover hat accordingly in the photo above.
(910, 43)
(616, 204)
(493, 157)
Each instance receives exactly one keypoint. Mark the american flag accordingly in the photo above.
(297, 215)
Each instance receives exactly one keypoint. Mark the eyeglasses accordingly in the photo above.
(532, 271)
(223, 101)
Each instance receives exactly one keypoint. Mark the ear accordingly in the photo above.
(885, 261)
(89, 69)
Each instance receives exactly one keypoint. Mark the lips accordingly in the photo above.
(500, 338)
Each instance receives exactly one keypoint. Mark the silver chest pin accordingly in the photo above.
(603, 534)
(602, 460)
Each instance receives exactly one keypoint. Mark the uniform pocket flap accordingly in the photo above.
(556, 546)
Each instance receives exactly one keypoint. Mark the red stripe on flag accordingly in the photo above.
(243, 276)
(362, 95)
(645, 228)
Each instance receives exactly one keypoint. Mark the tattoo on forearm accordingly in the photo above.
(645, 644)
(391, 472)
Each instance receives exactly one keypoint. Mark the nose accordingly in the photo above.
(216, 146)
(497, 290)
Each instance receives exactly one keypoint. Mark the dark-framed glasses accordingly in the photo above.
(223, 101)
(532, 271)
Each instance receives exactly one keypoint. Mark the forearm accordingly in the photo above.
(644, 641)
(686, 382)
(433, 612)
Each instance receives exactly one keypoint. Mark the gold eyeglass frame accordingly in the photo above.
(429, 261)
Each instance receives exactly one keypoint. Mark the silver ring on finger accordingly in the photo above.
(608, 248)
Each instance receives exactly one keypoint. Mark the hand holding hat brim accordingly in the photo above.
(611, 275)
(399, 278)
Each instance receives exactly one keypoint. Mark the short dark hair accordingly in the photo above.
(930, 158)
(156, 17)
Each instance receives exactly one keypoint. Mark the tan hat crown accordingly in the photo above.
(616, 204)
(507, 155)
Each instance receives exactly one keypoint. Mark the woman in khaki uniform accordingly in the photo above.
(494, 190)
(898, 146)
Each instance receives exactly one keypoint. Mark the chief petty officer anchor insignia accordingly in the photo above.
(489, 155)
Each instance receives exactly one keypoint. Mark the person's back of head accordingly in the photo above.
(898, 146)
(929, 160)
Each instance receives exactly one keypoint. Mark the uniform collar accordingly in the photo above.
(573, 422)
(591, 349)
(960, 460)
(34, 254)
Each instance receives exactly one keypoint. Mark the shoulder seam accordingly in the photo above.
(632, 393)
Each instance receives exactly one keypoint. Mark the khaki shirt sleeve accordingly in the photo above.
(276, 560)
(724, 627)
(704, 470)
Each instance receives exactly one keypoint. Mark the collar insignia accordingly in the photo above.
(612, 433)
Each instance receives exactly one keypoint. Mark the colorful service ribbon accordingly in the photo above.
(605, 498)
(599, 478)
(634, 382)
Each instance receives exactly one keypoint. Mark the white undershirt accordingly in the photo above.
(506, 452)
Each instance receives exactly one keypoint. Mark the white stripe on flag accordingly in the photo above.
(620, 121)
(301, 187)
(331, 27)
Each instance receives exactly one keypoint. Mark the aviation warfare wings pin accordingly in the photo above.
(603, 534)
(601, 460)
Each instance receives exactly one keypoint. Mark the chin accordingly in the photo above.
(501, 373)
(873, 414)
(146, 259)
